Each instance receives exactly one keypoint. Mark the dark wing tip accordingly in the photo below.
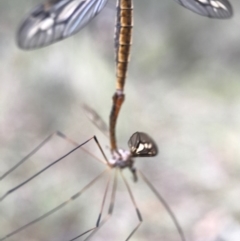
(29, 34)
(223, 10)
(55, 20)
(219, 9)
(39, 29)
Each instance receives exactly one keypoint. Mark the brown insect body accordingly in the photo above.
(123, 39)
(123, 42)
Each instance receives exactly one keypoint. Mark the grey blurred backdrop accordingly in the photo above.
(183, 88)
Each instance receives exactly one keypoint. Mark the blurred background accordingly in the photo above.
(183, 89)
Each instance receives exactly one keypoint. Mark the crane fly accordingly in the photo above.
(54, 20)
(140, 145)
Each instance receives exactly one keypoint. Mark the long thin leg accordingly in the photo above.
(99, 216)
(164, 203)
(103, 203)
(75, 196)
(56, 133)
(96, 141)
(85, 150)
(50, 165)
(27, 156)
(135, 205)
(110, 209)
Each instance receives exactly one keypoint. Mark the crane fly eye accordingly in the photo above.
(141, 145)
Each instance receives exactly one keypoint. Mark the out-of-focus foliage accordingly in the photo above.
(183, 89)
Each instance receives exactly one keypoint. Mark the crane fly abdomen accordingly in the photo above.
(123, 39)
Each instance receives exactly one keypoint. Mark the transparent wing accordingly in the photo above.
(209, 8)
(55, 20)
(96, 119)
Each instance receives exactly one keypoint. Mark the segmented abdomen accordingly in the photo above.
(123, 39)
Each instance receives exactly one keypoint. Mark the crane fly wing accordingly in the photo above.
(55, 20)
(96, 119)
(210, 8)
(142, 145)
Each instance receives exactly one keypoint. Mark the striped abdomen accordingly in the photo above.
(123, 39)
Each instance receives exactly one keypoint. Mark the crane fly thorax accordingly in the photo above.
(121, 158)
